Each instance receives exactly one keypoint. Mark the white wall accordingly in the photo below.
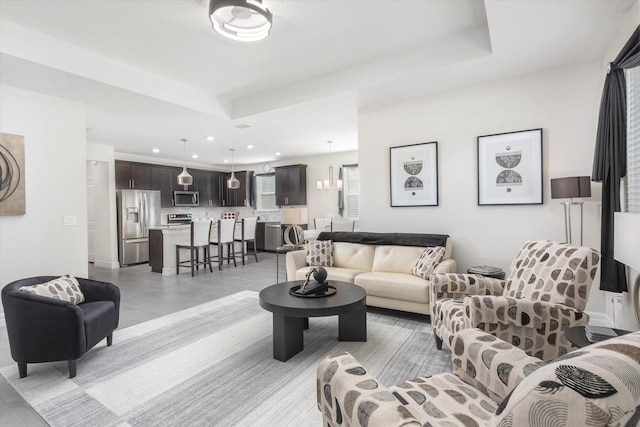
(38, 243)
(563, 102)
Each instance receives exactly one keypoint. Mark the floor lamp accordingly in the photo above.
(293, 217)
(626, 249)
(570, 188)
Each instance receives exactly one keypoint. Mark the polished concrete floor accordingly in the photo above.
(146, 296)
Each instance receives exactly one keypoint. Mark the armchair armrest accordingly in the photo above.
(295, 260)
(446, 266)
(494, 366)
(348, 395)
(43, 329)
(522, 312)
(458, 286)
(94, 290)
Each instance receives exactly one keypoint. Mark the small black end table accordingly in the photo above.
(291, 314)
(578, 337)
(283, 250)
(496, 275)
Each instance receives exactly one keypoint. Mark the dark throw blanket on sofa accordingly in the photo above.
(397, 239)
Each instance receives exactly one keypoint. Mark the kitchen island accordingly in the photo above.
(162, 246)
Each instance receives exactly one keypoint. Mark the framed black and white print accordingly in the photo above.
(414, 175)
(510, 168)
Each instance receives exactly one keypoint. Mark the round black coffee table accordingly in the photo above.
(291, 314)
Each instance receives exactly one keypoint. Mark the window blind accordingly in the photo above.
(633, 140)
(351, 185)
(266, 192)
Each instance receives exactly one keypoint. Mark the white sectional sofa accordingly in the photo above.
(382, 264)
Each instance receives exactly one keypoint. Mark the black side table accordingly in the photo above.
(283, 250)
(578, 337)
(489, 272)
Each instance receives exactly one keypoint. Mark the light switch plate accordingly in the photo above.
(69, 220)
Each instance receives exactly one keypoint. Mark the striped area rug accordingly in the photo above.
(213, 365)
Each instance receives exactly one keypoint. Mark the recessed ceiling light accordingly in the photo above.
(210, 138)
(242, 125)
(155, 150)
(277, 154)
(249, 146)
(226, 161)
(194, 156)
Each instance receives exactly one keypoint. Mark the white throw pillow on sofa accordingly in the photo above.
(65, 288)
(319, 253)
(428, 261)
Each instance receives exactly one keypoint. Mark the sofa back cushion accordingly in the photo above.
(554, 272)
(353, 255)
(396, 259)
(594, 386)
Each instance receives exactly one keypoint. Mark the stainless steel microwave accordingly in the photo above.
(186, 198)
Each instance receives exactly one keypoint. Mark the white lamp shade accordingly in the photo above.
(294, 216)
(626, 247)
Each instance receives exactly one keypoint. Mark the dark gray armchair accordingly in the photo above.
(43, 329)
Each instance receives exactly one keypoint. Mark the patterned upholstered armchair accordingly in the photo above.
(544, 293)
(493, 384)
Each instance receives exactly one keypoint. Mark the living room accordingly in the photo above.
(560, 96)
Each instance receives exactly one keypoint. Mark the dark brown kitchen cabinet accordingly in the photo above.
(240, 196)
(133, 175)
(162, 179)
(208, 184)
(291, 185)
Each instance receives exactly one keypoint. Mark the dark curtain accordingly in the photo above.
(610, 158)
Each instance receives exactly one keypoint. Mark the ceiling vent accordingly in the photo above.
(242, 126)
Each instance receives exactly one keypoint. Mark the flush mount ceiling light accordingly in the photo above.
(241, 20)
(184, 178)
(327, 184)
(233, 182)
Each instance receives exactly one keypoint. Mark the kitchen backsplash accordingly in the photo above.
(216, 213)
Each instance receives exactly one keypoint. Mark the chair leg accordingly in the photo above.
(192, 265)
(207, 252)
(73, 364)
(109, 339)
(22, 369)
(255, 253)
(177, 260)
(438, 341)
(242, 252)
(220, 253)
(232, 254)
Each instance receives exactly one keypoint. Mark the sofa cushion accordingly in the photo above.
(396, 259)
(400, 286)
(320, 253)
(553, 272)
(333, 273)
(445, 398)
(353, 255)
(427, 262)
(65, 288)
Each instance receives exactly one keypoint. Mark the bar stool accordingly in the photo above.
(200, 231)
(222, 239)
(245, 235)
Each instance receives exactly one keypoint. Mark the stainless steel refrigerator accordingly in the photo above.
(137, 211)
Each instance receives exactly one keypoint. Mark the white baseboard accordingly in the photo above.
(107, 264)
(599, 319)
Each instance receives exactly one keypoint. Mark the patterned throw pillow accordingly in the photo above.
(319, 253)
(65, 288)
(428, 261)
